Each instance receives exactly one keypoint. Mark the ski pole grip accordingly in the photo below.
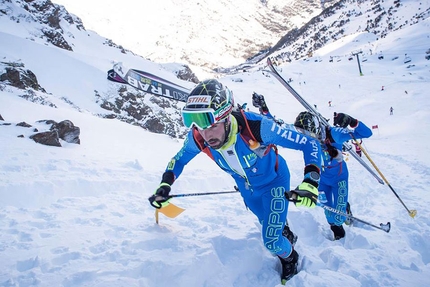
(153, 198)
(291, 195)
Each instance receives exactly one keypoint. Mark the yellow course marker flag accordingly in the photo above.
(169, 210)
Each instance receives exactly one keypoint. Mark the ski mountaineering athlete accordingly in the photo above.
(334, 175)
(243, 144)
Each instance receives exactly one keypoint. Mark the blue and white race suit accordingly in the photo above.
(334, 176)
(261, 175)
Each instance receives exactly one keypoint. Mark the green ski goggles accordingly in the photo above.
(202, 119)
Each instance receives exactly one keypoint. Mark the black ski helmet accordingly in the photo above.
(209, 102)
(308, 122)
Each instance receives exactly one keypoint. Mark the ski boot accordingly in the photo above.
(338, 231)
(289, 266)
(289, 235)
(348, 220)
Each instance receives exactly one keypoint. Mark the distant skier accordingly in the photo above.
(329, 103)
(382, 89)
(391, 111)
(334, 176)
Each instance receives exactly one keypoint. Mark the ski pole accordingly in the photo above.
(292, 196)
(412, 212)
(384, 227)
(204, 193)
(172, 210)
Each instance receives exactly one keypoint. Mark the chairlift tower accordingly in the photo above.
(358, 61)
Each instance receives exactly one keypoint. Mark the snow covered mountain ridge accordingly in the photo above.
(202, 33)
(40, 21)
(285, 20)
(345, 18)
(191, 32)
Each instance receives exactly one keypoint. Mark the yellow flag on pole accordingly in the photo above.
(169, 210)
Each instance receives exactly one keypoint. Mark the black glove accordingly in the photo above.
(160, 198)
(259, 102)
(344, 120)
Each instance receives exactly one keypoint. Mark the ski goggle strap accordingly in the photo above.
(203, 119)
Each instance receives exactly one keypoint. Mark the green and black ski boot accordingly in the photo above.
(289, 266)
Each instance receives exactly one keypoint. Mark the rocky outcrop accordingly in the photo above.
(48, 17)
(57, 39)
(52, 135)
(187, 74)
(155, 114)
(21, 78)
(47, 138)
(67, 131)
(64, 130)
(16, 75)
